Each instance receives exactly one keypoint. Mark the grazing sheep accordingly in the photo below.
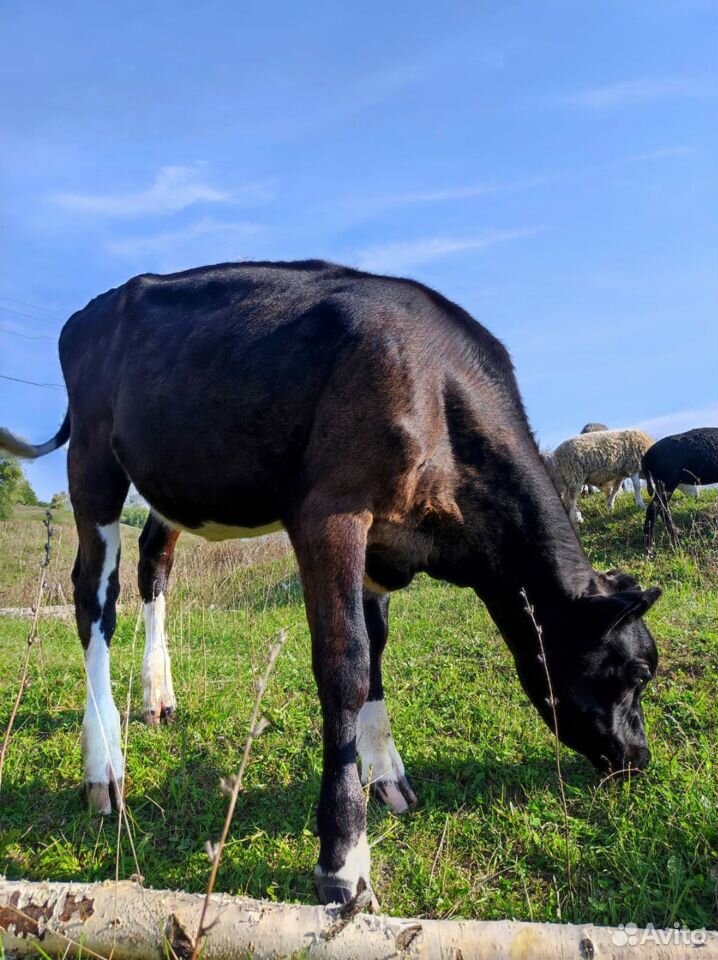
(602, 459)
(591, 428)
(684, 460)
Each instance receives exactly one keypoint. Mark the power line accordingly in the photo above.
(32, 383)
(24, 303)
(26, 336)
(20, 313)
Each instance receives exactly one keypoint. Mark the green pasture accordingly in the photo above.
(488, 839)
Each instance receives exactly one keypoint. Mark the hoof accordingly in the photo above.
(396, 794)
(331, 890)
(153, 718)
(103, 798)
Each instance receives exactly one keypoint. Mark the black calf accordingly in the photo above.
(383, 428)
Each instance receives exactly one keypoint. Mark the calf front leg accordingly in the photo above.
(381, 765)
(330, 549)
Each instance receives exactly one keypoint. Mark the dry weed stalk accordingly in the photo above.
(31, 637)
(123, 812)
(552, 702)
(233, 785)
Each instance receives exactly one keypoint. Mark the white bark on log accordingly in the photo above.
(127, 922)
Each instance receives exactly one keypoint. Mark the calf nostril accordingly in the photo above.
(638, 758)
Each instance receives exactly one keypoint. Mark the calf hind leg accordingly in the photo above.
(98, 488)
(157, 544)
(381, 765)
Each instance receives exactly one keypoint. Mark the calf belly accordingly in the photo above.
(222, 489)
(209, 530)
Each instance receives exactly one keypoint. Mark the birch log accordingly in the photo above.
(126, 922)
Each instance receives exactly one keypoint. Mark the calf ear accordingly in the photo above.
(610, 611)
(621, 581)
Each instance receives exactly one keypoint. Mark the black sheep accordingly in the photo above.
(685, 458)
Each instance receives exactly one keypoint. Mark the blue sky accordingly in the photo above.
(552, 167)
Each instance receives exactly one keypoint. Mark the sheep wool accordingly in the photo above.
(602, 459)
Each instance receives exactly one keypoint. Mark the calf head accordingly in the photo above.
(599, 662)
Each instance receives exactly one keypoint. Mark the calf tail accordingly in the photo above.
(17, 447)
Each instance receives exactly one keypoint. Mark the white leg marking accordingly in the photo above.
(356, 866)
(636, 481)
(158, 692)
(378, 757)
(101, 744)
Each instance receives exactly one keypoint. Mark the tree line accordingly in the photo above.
(15, 489)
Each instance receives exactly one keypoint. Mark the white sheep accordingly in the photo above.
(602, 459)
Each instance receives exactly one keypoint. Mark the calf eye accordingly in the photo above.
(640, 672)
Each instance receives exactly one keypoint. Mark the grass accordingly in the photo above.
(488, 839)
(203, 571)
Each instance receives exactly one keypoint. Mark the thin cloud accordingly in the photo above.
(207, 233)
(679, 421)
(644, 90)
(656, 427)
(483, 189)
(663, 153)
(396, 257)
(174, 188)
(448, 193)
(331, 107)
